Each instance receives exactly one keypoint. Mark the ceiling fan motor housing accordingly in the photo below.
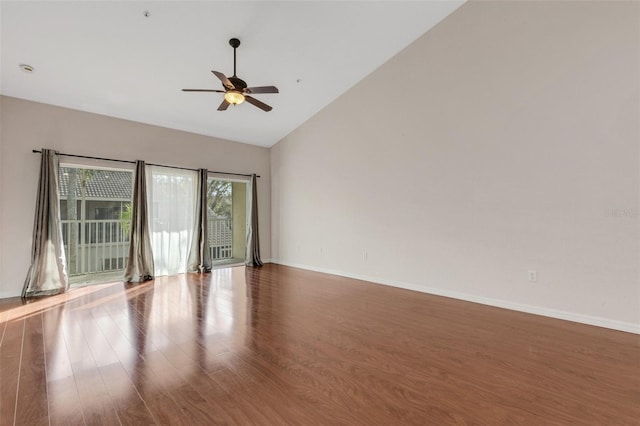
(239, 84)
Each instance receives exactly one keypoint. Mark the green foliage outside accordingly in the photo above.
(82, 177)
(219, 198)
(125, 219)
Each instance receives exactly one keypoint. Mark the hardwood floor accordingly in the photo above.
(279, 345)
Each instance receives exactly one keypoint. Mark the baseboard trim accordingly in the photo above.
(499, 303)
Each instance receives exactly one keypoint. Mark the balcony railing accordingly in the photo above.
(220, 238)
(103, 245)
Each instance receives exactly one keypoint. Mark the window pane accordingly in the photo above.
(95, 209)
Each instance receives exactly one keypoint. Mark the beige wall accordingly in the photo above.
(27, 125)
(504, 140)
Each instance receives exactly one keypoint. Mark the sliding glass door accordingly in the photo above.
(95, 212)
(227, 220)
(95, 208)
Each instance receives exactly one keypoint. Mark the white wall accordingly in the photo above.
(503, 140)
(28, 125)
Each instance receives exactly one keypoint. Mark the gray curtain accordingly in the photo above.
(199, 256)
(140, 261)
(253, 242)
(48, 272)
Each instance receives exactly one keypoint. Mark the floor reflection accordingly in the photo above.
(120, 342)
(139, 305)
(199, 290)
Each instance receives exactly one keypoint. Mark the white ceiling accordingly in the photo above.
(108, 58)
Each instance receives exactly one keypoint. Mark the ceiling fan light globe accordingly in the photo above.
(233, 97)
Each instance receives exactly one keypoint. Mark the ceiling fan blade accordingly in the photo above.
(262, 89)
(225, 81)
(202, 90)
(255, 102)
(224, 105)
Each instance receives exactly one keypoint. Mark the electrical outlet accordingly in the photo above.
(533, 276)
(365, 255)
(321, 250)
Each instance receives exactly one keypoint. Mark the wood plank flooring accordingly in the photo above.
(284, 346)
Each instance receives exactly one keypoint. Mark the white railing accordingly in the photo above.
(220, 233)
(102, 246)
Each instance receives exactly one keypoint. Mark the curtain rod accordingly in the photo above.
(35, 151)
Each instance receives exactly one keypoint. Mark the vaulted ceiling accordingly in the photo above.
(131, 59)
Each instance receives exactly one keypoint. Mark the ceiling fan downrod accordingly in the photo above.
(234, 42)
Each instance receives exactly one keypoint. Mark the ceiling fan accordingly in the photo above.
(236, 90)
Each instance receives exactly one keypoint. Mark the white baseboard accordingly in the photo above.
(552, 313)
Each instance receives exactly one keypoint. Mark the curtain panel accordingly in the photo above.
(172, 204)
(47, 274)
(252, 257)
(199, 255)
(140, 261)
